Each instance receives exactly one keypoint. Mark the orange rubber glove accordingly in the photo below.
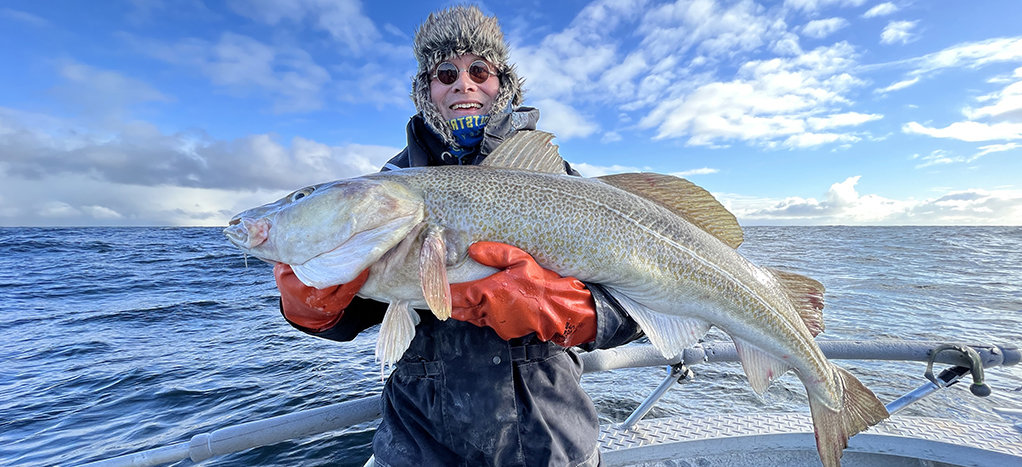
(524, 298)
(311, 308)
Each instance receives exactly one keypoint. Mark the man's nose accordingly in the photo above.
(464, 83)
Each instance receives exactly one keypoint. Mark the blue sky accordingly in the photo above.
(802, 112)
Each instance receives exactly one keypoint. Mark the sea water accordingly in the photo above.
(116, 340)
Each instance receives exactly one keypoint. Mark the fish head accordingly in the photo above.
(329, 233)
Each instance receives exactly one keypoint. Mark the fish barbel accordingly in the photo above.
(665, 248)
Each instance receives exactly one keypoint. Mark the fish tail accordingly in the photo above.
(860, 409)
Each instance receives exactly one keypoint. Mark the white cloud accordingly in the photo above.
(972, 55)
(898, 32)
(56, 209)
(102, 96)
(244, 66)
(769, 100)
(343, 20)
(23, 17)
(938, 157)
(841, 120)
(75, 199)
(592, 171)
(707, 28)
(814, 5)
(992, 148)
(568, 63)
(810, 139)
(572, 61)
(669, 79)
(882, 9)
(564, 121)
(898, 85)
(1001, 118)
(968, 131)
(116, 178)
(692, 172)
(1007, 103)
(821, 28)
(843, 204)
(101, 212)
(373, 83)
(610, 137)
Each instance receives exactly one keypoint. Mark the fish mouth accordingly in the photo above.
(247, 233)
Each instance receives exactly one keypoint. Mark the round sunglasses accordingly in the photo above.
(447, 73)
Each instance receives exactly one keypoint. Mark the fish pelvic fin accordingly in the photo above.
(670, 334)
(760, 367)
(433, 273)
(806, 296)
(860, 409)
(527, 150)
(685, 199)
(396, 333)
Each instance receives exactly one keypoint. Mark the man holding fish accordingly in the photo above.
(496, 385)
(499, 384)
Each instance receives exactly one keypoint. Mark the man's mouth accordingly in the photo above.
(466, 105)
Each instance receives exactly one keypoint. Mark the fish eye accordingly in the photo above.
(301, 194)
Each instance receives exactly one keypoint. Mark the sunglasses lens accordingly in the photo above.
(447, 73)
(479, 72)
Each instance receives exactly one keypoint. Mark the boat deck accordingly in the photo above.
(787, 439)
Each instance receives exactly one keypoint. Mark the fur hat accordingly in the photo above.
(456, 31)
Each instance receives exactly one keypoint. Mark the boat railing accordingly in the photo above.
(964, 360)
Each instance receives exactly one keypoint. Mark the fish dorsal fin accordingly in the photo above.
(527, 150)
(685, 199)
(806, 296)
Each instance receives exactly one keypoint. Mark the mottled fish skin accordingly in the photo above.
(647, 254)
(674, 278)
(598, 233)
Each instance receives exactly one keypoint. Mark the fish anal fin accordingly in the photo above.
(860, 409)
(806, 296)
(760, 367)
(396, 333)
(527, 150)
(668, 333)
(684, 198)
(433, 274)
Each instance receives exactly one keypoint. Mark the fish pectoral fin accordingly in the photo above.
(684, 198)
(433, 274)
(860, 409)
(760, 367)
(396, 333)
(806, 296)
(668, 333)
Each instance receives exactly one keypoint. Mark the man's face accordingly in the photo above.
(464, 96)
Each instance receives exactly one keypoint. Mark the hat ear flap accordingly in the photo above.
(423, 101)
(511, 91)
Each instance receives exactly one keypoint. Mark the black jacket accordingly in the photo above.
(461, 395)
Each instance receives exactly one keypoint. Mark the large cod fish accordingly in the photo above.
(664, 247)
